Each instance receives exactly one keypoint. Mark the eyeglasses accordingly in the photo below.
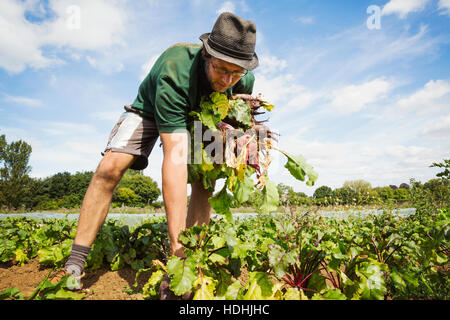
(234, 74)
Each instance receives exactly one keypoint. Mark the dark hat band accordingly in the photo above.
(229, 52)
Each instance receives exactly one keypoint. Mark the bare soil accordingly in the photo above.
(101, 284)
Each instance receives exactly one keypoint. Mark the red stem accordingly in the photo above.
(330, 276)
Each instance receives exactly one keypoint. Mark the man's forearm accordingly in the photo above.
(174, 186)
(175, 193)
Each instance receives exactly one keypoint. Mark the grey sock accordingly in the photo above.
(77, 259)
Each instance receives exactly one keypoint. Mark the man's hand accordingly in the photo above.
(236, 140)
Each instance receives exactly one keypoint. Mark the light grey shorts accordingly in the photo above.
(133, 134)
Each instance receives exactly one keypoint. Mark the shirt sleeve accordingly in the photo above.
(170, 106)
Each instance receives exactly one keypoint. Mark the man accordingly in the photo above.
(179, 78)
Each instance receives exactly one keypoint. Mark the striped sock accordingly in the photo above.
(77, 259)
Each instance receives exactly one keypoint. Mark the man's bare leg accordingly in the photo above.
(95, 208)
(99, 194)
(199, 210)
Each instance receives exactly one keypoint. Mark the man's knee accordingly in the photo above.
(113, 166)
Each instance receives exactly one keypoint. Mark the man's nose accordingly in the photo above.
(227, 78)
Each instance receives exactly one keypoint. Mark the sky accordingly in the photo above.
(361, 89)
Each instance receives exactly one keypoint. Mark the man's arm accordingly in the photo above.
(174, 185)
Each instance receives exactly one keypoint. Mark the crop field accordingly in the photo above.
(295, 256)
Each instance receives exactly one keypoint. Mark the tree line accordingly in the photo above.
(19, 191)
(361, 192)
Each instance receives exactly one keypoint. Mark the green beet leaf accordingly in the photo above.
(280, 260)
(150, 288)
(372, 285)
(221, 203)
(205, 288)
(298, 168)
(182, 273)
(233, 290)
(12, 292)
(243, 189)
(259, 286)
(241, 112)
(220, 104)
(294, 294)
(330, 294)
(62, 294)
(270, 197)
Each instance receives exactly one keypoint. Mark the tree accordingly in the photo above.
(446, 165)
(386, 194)
(58, 185)
(14, 179)
(284, 191)
(145, 188)
(363, 192)
(439, 191)
(254, 200)
(344, 195)
(401, 195)
(126, 196)
(299, 198)
(323, 192)
(79, 182)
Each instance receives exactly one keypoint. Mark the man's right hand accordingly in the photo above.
(235, 138)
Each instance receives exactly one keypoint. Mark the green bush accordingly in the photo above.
(125, 196)
(323, 192)
(401, 195)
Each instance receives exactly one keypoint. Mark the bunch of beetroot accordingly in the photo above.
(246, 150)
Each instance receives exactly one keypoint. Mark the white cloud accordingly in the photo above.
(61, 129)
(48, 159)
(354, 98)
(302, 100)
(403, 7)
(111, 116)
(432, 98)
(77, 150)
(227, 6)
(101, 25)
(147, 66)
(81, 148)
(281, 89)
(106, 64)
(24, 101)
(444, 6)
(271, 64)
(377, 160)
(276, 88)
(358, 52)
(20, 44)
(438, 129)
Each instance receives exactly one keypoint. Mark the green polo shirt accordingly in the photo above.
(175, 84)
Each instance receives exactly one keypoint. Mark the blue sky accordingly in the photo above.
(357, 102)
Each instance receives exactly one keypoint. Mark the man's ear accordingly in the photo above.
(205, 54)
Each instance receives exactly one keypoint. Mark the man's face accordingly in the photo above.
(222, 74)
